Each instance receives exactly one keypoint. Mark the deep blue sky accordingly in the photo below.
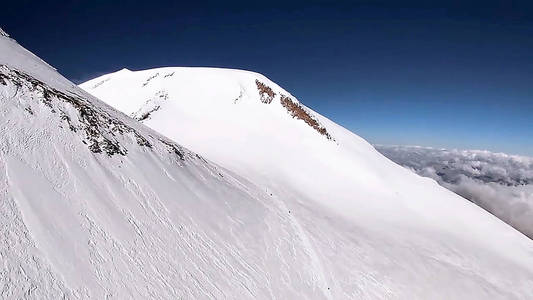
(395, 72)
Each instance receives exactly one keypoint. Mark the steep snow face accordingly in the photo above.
(372, 229)
(95, 205)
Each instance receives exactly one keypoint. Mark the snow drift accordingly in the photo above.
(372, 229)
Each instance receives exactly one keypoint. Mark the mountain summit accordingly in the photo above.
(373, 228)
(94, 204)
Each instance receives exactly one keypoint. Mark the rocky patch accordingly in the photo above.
(3, 33)
(265, 92)
(150, 78)
(151, 105)
(101, 82)
(297, 111)
(98, 130)
(173, 148)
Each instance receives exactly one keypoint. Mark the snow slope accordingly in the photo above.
(372, 229)
(95, 205)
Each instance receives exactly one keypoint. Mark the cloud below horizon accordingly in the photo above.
(500, 183)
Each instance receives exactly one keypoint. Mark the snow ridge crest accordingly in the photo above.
(3, 33)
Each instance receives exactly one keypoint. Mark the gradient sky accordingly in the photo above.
(395, 72)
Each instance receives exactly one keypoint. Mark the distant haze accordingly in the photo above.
(500, 183)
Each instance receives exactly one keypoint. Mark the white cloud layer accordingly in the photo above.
(500, 183)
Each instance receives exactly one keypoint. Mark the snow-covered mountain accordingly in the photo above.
(372, 228)
(94, 204)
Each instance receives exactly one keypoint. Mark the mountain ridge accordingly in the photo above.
(94, 204)
(242, 125)
(154, 220)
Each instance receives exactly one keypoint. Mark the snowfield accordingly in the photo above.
(94, 204)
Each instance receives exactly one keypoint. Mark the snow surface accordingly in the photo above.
(372, 229)
(157, 222)
(95, 205)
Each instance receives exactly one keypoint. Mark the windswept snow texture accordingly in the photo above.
(152, 221)
(500, 183)
(367, 227)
